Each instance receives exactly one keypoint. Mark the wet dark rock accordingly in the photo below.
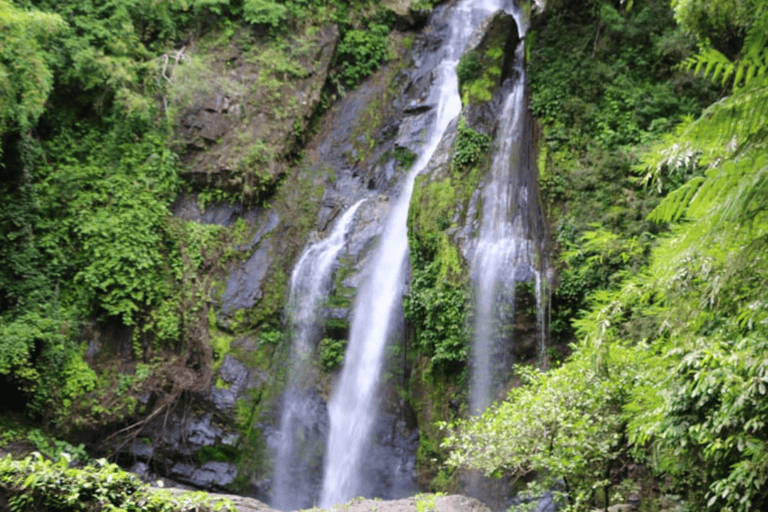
(238, 378)
(269, 225)
(211, 475)
(187, 207)
(413, 128)
(391, 471)
(245, 280)
(417, 108)
(202, 432)
(142, 449)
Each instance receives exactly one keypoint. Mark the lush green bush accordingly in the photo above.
(566, 425)
(471, 147)
(36, 483)
(331, 353)
(359, 53)
(264, 12)
(26, 78)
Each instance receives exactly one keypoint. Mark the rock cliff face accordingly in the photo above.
(247, 137)
(239, 134)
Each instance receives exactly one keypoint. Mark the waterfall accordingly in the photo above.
(353, 405)
(509, 246)
(297, 440)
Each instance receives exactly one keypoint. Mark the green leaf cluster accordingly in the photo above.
(470, 147)
(36, 483)
(359, 53)
(26, 77)
(566, 425)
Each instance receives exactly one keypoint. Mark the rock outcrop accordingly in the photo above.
(418, 503)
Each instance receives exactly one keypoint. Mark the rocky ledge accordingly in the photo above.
(418, 503)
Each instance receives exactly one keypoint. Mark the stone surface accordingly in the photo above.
(244, 282)
(238, 378)
(452, 503)
(220, 129)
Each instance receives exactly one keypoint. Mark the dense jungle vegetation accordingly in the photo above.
(654, 170)
(663, 284)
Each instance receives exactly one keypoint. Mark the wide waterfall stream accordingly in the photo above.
(507, 251)
(354, 403)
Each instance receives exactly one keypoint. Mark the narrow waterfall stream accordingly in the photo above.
(353, 405)
(310, 282)
(510, 243)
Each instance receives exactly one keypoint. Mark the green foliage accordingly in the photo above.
(331, 353)
(603, 80)
(37, 353)
(107, 226)
(470, 146)
(438, 311)
(55, 449)
(468, 68)
(599, 259)
(426, 502)
(264, 12)
(712, 433)
(403, 156)
(625, 82)
(723, 23)
(26, 78)
(439, 300)
(218, 453)
(359, 53)
(479, 71)
(39, 484)
(566, 424)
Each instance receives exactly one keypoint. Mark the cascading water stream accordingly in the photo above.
(310, 282)
(509, 246)
(353, 405)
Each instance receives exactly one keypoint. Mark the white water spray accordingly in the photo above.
(310, 282)
(509, 247)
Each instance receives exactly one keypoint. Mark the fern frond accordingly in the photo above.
(750, 191)
(734, 192)
(731, 125)
(712, 64)
(674, 205)
(757, 37)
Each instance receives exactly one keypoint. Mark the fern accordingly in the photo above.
(676, 203)
(752, 65)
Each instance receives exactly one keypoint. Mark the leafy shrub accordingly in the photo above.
(714, 426)
(468, 68)
(26, 77)
(39, 484)
(37, 352)
(264, 12)
(470, 146)
(359, 54)
(565, 424)
(331, 353)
